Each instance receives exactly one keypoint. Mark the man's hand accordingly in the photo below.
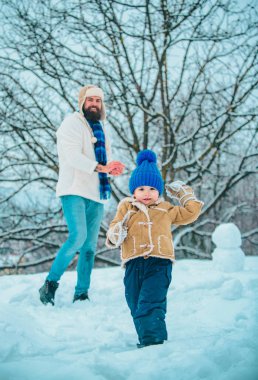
(114, 168)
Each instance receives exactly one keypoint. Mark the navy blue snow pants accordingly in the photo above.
(146, 285)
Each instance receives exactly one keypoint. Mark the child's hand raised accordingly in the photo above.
(180, 191)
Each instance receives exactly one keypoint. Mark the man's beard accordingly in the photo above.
(92, 115)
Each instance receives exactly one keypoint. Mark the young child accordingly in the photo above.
(142, 228)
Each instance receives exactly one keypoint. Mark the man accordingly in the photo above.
(83, 187)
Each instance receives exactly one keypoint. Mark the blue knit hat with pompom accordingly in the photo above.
(146, 173)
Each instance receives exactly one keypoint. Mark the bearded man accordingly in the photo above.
(84, 154)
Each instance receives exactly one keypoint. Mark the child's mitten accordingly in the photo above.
(180, 191)
(117, 234)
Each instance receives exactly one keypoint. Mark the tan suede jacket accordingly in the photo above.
(146, 230)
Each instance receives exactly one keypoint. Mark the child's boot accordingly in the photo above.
(153, 343)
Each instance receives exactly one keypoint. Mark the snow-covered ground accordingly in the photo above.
(212, 324)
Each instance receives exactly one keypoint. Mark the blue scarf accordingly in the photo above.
(101, 157)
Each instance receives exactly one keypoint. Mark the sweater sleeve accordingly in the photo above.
(187, 214)
(117, 231)
(69, 140)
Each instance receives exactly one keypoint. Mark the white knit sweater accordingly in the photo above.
(77, 159)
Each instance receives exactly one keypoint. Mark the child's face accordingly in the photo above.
(146, 194)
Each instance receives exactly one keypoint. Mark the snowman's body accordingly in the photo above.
(228, 256)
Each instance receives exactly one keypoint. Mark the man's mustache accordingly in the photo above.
(93, 108)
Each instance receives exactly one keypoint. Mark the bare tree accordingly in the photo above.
(180, 78)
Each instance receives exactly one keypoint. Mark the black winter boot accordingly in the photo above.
(47, 292)
(81, 297)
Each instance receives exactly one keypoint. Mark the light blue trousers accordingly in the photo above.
(83, 218)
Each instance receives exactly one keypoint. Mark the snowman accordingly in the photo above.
(228, 256)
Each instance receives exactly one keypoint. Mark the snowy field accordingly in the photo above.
(212, 324)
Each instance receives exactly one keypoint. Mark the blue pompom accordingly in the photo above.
(146, 154)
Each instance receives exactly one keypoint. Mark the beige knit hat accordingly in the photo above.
(91, 90)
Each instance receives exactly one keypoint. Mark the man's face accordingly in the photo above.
(92, 108)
